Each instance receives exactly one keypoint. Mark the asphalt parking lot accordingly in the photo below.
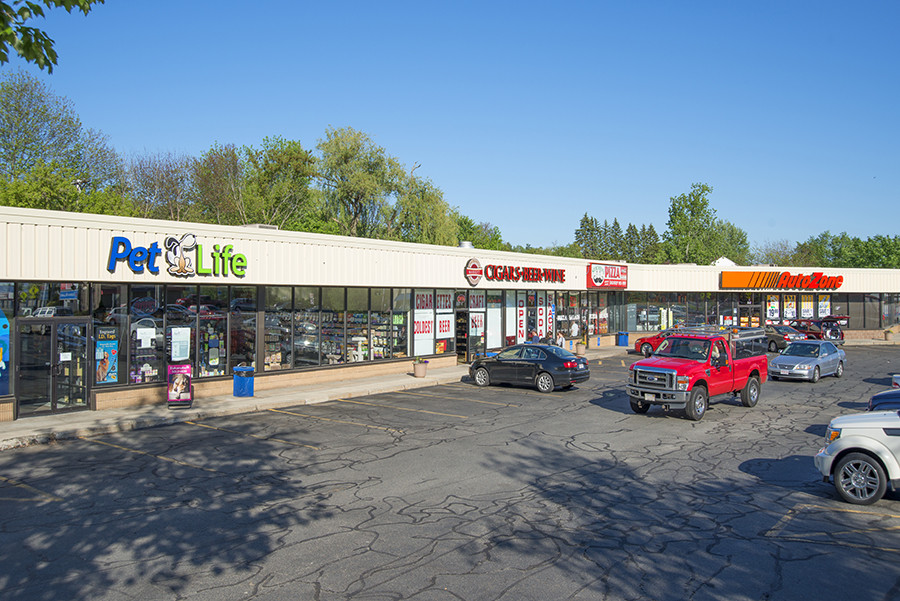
(457, 492)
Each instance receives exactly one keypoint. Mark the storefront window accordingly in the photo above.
(444, 328)
(148, 342)
(423, 322)
(890, 309)
(110, 322)
(7, 308)
(306, 326)
(380, 323)
(278, 331)
(357, 324)
(494, 319)
(181, 324)
(211, 308)
(333, 310)
(53, 299)
(662, 311)
(636, 317)
(242, 320)
(400, 322)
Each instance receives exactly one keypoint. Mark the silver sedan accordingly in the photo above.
(808, 360)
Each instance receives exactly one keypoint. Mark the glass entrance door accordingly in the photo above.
(53, 365)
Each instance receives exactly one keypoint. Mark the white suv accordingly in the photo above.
(862, 455)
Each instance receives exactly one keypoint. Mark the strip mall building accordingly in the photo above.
(99, 312)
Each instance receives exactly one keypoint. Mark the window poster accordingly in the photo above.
(107, 355)
(4, 353)
(181, 344)
(772, 306)
(824, 305)
(806, 306)
(790, 306)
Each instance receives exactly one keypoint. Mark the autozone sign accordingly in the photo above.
(604, 275)
(780, 280)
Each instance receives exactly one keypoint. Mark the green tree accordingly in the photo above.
(631, 244)
(219, 178)
(37, 125)
(651, 251)
(360, 182)
(161, 186)
(587, 237)
(731, 242)
(690, 235)
(31, 43)
(278, 178)
(421, 214)
(51, 187)
(779, 252)
(482, 235)
(616, 243)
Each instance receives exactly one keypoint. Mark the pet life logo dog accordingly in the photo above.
(184, 255)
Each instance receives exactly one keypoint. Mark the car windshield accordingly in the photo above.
(684, 348)
(801, 349)
(560, 352)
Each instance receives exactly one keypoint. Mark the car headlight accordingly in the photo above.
(804, 366)
(681, 382)
(832, 434)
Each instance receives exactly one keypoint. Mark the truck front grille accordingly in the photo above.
(663, 380)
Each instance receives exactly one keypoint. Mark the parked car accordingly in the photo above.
(883, 401)
(808, 360)
(862, 455)
(826, 328)
(648, 344)
(540, 365)
(779, 336)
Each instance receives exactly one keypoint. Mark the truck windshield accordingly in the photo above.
(684, 348)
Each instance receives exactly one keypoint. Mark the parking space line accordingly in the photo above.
(295, 444)
(453, 398)
(401, 408)
(163, 457)
(16, 483)
(337, 421)
(777, 529)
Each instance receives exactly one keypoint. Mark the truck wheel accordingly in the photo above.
(697, 404)
(840, 370)
(646, 349)
(750, 393)
(482, 377)
(815, 375)
(544, 382)
(773, 348)
(859, 479)
(639, 406)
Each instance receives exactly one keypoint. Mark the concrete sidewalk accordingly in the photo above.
(49, 428)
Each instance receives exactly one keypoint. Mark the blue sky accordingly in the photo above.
(527, 114)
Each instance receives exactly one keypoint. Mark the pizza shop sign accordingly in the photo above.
(184, 255)
(509, 273)
(604, 275)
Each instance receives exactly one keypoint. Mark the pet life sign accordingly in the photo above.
(184, 255)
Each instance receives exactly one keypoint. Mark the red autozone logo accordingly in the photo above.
(473, 272)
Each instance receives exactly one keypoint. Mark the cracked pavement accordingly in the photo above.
(459, 493)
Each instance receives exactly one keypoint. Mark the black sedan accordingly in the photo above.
(885, 401)
(540, 365)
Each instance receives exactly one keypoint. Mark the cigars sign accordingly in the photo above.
(509, 273)
(780, 280)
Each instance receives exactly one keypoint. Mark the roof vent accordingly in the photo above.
(261, 226)
(466, 244)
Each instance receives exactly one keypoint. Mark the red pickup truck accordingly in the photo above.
(696, 364)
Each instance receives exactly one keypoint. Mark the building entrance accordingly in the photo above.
(52, 370)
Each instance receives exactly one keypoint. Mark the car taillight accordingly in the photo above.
(787, 337)
(570, 364)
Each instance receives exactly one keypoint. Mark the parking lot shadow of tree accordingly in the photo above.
(121, 519)
(592, 520)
